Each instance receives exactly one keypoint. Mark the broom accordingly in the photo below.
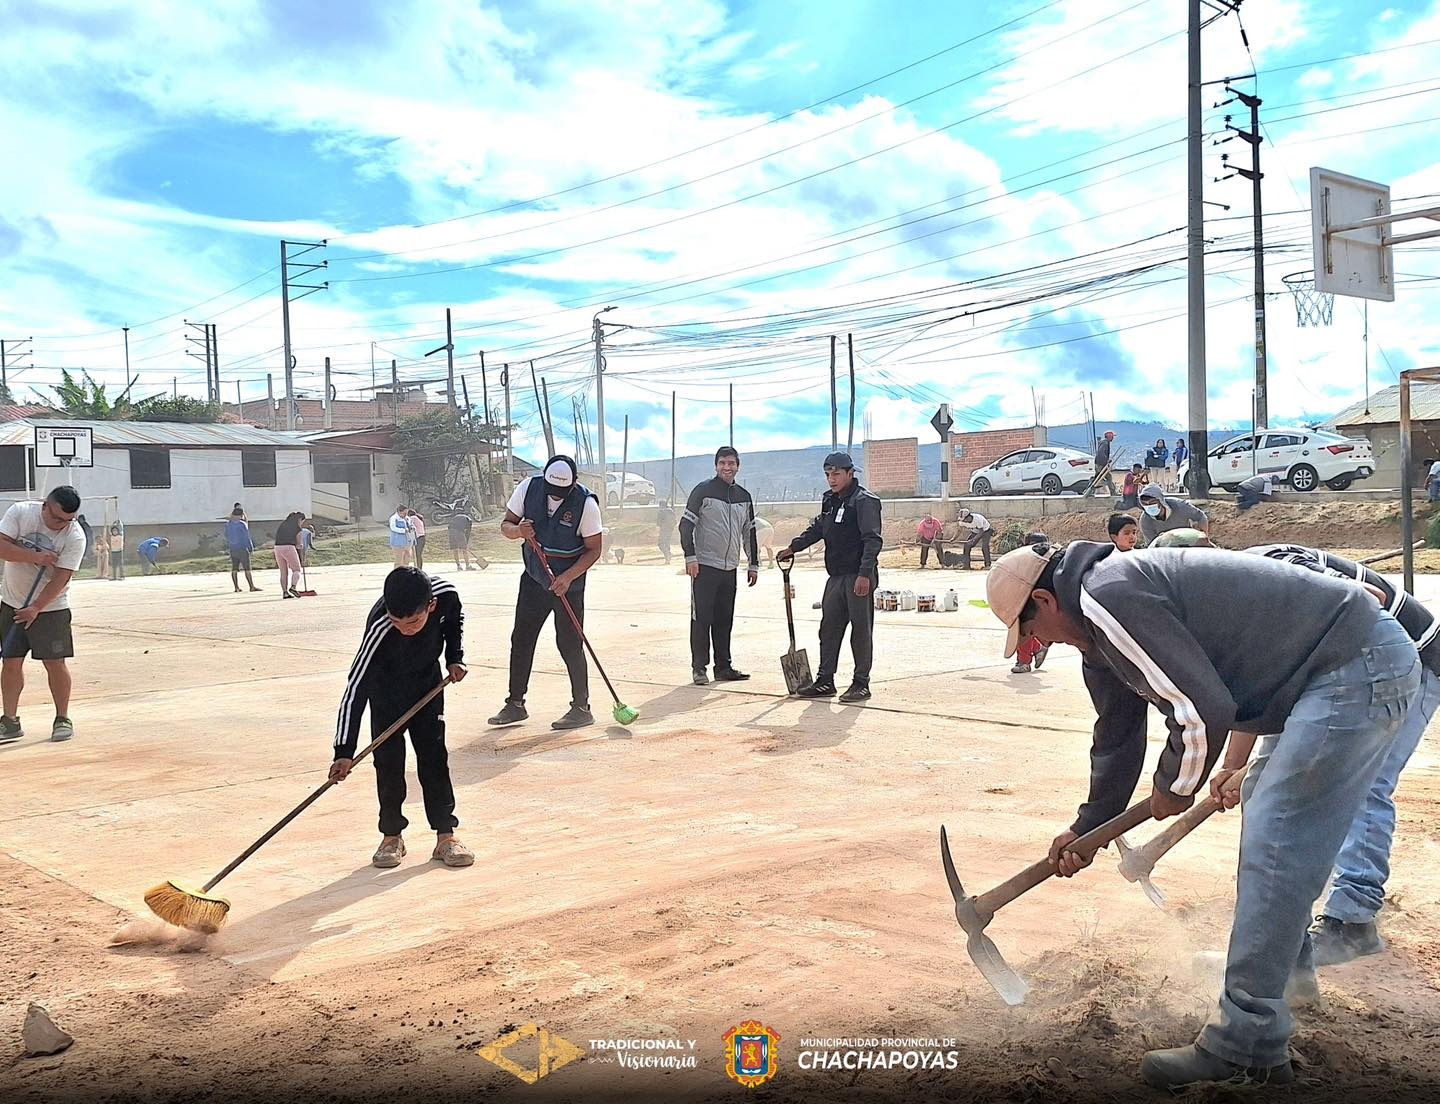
(307, 592)
(200, 910)
(622, 713)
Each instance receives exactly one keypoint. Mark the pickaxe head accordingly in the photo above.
(1134, 867)
(983, 952)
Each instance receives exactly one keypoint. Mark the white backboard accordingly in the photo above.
(1354, 262)
(64, 447)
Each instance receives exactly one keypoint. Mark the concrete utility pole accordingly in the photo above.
(1195, 241)
(269, 400)
(850, 436)
(329, 422)
(670, 495)
(599, 334)
(1253, 174)
(732, 415)
(834, 413)
(450, 360)
(509, 441)
(394, 393)
(286, 286)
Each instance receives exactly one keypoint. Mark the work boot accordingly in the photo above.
(63, 729)
(729, 674)
(1020, 669)
(578, 717)
(512, 713)
(1188, 1065)
(699, 677)
(10, 729)
(858, 692)
(1040, 657)
(1335, 941)
(1303, 989)
(389, 853)
(820, 688)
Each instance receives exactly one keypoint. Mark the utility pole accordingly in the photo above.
(394, 393)
(450, 359)
(549, 422)
(1195, 269)
(732, 415)
(624, 460)
(239, 402)
(485, 398)
(214, 356)
(850, 436)
(543, 409)
(1253, 174)
(670, 495)
(509, 440)
(834, 413)
(482, 487)
(202, 342)
(9, 355)
(599, 335)
(304, 269)
(269, 400)
(329, 422)
(126, 331)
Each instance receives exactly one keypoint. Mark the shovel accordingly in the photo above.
(795, 664)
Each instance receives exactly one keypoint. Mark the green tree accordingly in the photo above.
(180, 408)
(435, 449)
(85, 397)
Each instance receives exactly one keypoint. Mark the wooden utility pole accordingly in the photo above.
(850, 437)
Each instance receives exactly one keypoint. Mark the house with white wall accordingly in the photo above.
(168, 479)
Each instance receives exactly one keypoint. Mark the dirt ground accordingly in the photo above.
(732, 856)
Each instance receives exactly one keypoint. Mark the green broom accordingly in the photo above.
(199, 909)
(622, 713)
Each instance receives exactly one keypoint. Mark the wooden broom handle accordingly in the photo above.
(293, 813)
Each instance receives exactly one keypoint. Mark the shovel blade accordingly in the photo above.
(999, 973)
(796, 668)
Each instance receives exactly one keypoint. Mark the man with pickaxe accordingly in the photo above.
(1331, 692)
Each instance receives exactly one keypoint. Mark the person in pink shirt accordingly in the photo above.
(929, 533)
(416, 521)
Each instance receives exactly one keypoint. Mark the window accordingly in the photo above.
(1282, 440)
(12, 468)
(1039, 457)
(1013, 458)
(150, 468)
(257, 467)
(1244, 444)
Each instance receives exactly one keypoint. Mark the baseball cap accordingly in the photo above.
(1110, 433)
(839, 460)
(1151, 490)
(1008, 587)
(560, 474)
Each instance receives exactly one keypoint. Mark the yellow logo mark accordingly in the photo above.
(554, 1052)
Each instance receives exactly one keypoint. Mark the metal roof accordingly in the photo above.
(1385, 407)
(174, 434)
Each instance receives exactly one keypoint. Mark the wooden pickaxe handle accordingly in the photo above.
(1145, 857)
(991, 901)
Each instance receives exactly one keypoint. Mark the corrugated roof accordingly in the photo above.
(25, 410)
(175, 434)
(1385, 407)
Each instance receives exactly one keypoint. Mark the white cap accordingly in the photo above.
(558, 474)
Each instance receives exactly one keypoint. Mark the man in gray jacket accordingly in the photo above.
(1332, 692)
(1160, 513)
(719, 518)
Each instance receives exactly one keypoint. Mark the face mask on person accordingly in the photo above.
(1154, 509)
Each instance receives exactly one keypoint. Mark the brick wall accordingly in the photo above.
(893, 465)
(969, 451)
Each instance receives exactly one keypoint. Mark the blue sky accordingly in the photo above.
(988, 196)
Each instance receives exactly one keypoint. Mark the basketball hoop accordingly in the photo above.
(1312, 308)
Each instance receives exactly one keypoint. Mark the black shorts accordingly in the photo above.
(48, 636)
(239, 558)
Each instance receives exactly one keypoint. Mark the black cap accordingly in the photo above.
(839, 460)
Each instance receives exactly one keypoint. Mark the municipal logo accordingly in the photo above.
(751, 1054)
(552, 1052)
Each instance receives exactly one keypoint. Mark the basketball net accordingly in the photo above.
(1312, 308)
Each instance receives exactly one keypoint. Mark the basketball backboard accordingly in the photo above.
(1350, 259)
(64, 447)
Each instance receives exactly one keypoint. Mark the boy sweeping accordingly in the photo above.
(399, 663)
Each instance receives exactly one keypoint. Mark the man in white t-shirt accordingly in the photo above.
(555, 513)
(41, 545)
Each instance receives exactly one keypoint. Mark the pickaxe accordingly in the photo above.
(1136, 863)
(975, 913)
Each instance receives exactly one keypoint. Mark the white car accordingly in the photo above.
(1048, 469)
(1303, 458)
(637, 488)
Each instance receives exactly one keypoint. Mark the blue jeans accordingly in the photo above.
(1357, 888)
(1300, 798)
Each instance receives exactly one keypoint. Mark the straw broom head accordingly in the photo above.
(188, 908)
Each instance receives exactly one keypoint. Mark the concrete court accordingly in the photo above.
(803, 827)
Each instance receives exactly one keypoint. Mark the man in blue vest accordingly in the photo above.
(556, 511)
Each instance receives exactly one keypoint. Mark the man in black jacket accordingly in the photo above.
(849, 524)
(398, 664)
(1331, 692)
(1104, 472)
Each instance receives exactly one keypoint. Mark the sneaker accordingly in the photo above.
(821, 688)
(1335, 941)
(1188, 1065)
(292, 593)
(512, 713)
(1020, 669)
(389, 853)
(1040, 656)
(452, 852)
(63, 729)
(10, 729)
(729, 674)
(698, 676)
(578, 717)
(286, 594)
(858, 692)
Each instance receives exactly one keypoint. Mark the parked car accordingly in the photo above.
(1303, 458)
(637, 489)
(1049, 469)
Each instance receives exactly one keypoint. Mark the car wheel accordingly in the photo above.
(612, 500)
(1304, 478)
(981, 487)
(1340, 482)
(1051, 485)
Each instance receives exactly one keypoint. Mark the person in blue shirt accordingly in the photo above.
(149, 551)
(237, 536)
(1178, 455)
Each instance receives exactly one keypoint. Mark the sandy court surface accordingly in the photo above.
(733, 855)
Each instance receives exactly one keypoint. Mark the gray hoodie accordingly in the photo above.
(1215, 639)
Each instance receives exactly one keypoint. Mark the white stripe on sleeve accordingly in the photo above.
(368, 645)
(1193, 736)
